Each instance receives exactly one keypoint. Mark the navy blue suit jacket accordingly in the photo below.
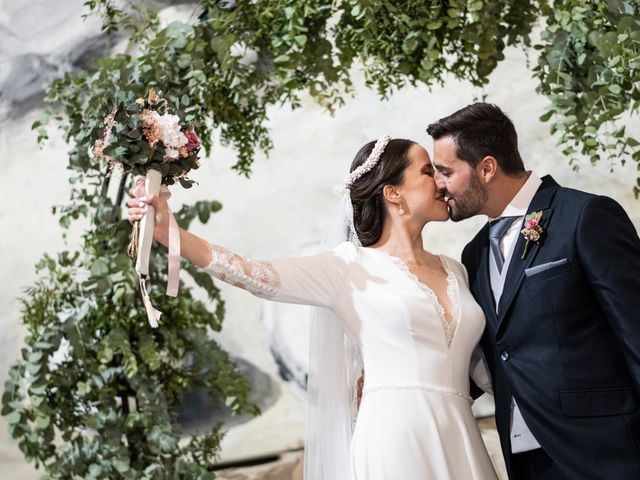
(566, 343)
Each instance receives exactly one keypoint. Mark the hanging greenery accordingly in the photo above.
(588, 64)
(589, 68)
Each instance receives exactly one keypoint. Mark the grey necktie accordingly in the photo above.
(497, 229)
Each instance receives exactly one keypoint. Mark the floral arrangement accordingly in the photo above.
(532, 230)
(144, 137)
(144, 134)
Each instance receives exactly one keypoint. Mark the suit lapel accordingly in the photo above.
(484, 282)
(515, 274)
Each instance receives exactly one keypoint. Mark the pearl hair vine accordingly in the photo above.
(371, 161)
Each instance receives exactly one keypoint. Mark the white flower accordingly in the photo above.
(171, 154)
(172, 137)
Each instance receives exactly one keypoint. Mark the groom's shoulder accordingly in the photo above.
(578, 199)
(572, 194)
(565, 197)
(571, 204)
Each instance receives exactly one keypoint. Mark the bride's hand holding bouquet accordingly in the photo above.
(138, 208)
(193, 248)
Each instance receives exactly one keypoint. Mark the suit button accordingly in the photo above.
(504, 355)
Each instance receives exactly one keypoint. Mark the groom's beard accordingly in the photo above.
(470, 202)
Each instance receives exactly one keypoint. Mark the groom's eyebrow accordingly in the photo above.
(440, 167)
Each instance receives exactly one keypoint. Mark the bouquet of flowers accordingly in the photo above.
(146, 138)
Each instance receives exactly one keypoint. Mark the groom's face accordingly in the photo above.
(458, 181)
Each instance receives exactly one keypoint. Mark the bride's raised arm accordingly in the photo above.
(315, 280)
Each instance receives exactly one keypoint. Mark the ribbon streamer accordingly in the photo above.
(153, 315)
(173, 275)
(173, 280)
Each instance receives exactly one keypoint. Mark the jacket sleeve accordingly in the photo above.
(609, 250)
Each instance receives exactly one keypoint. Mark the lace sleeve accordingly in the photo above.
(256, 277)
(315, 280)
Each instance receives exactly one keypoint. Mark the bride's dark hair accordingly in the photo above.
(366, 192)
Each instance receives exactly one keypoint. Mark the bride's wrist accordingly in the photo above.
(162, 238)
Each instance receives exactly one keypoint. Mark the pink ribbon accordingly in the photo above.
(153, 314)
(173, 280)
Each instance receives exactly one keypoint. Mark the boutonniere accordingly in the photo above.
(532, 230)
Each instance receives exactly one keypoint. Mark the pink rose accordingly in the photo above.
(193, 141)
(531, 224)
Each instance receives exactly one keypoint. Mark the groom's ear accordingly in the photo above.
(487, 168)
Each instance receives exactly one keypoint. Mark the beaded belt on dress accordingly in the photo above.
(417, 386)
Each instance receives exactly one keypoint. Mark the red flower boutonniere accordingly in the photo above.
(532, 230)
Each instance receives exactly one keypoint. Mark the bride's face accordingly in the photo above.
(420, 196)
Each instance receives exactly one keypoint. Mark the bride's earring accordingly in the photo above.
(400, 209)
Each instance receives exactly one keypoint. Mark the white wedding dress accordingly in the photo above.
(415, 420)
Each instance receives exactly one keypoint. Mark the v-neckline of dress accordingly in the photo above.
(449, 327)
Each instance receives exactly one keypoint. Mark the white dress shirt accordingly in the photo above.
(522, 440)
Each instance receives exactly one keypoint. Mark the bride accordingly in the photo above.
(385, 304)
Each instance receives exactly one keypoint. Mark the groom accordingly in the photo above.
(557, 272)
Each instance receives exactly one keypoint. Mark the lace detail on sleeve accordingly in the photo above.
(256, 277)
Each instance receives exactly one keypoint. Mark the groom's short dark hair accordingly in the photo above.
(481, 130)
